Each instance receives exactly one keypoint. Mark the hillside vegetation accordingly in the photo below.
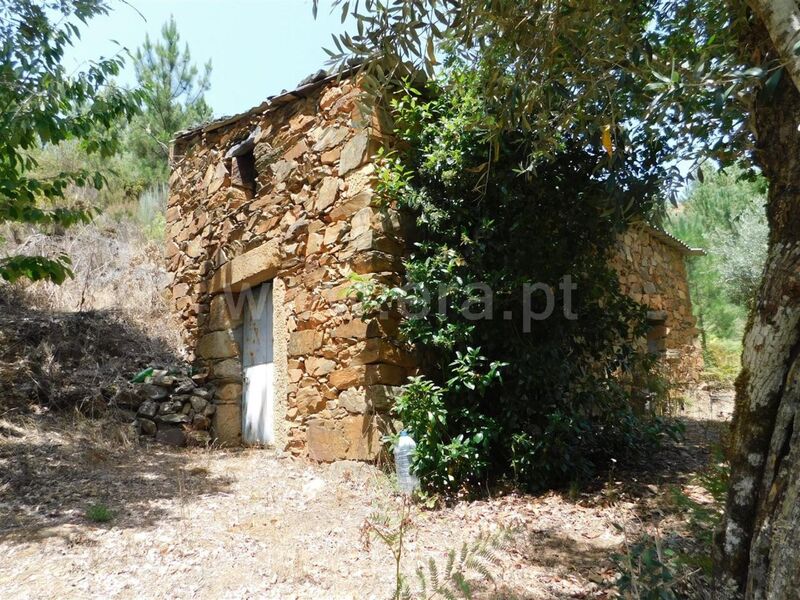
(725, 216)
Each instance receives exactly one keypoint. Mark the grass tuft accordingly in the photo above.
(99, 513)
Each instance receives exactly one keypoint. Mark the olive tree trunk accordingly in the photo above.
(758, 551)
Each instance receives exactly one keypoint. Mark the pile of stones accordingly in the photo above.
(169, 406)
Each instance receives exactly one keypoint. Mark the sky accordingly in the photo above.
(256, 47)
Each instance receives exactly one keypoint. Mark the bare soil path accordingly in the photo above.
(251, 524)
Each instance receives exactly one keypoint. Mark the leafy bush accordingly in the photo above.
(741, 252)
(151, 214)
(647, 570)
(544, 400)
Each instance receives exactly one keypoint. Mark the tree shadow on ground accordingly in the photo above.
(674, 463)
(559, 556)
(51, 477)
(58, 369)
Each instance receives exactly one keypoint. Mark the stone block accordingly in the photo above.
(309, 401)
(154, 393)
(353, 152)
(346, 208)
(201, 422)
(317, 367)
(171, 437)
(385, 374)
(349, 377)
(148, 409)
(338, 293)
(382, 397)
(194, 248)
(330, 96)
(369, 399)
(354, 400)
(368, 375)
(251, 268)
(146, 426)
(378, 350)
(198, 404)
(303, 343)
(331, 156)
(219, 344)
(360, 329)
(327, 194)
(173, 418)
(334, 232)
(361, 222)
(314, 243)
(219, 314)
(296, 151)
(229, 370)
(198, 438)
(331, 136)
(372, 240)
(357, 328)
(362, 436)
(219, 178)
(376, 262)
(281, 169)
(325, 440)
(229, 393)
(227, 425)
(301, 122)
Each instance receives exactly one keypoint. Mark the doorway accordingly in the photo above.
(258, 393)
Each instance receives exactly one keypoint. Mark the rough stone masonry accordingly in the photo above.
(285, 193)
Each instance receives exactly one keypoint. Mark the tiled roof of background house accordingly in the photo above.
(670, 240)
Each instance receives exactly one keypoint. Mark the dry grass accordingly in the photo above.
(116, 268)
(73, 345)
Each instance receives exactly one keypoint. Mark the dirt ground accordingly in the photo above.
(254, 524)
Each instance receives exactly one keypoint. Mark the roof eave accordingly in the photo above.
(298, 93)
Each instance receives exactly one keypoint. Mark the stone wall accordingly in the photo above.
(284, 193)
(652, 270)
(170, 407)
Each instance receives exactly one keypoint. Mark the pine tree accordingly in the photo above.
(174, 99)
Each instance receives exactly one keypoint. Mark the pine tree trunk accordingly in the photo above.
(758, 549)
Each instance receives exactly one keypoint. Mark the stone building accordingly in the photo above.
(652, 269)
(271, 213)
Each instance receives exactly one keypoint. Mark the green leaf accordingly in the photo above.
(772, 83)
(754, 72)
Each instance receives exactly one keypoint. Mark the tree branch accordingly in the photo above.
(782, 20)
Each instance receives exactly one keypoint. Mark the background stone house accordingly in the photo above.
(652, 270)
(270, 214)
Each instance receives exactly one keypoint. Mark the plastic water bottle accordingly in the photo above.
(403, 453)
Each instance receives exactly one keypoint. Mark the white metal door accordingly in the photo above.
(259, 392)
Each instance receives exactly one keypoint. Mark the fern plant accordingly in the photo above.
(474, 561)
(391, 532)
